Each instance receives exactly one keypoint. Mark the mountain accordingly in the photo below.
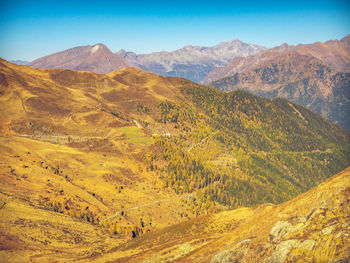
(191, 62)
(310, 79)
(333, 53)
(91, 161)
(19, 62)
(97, 58)
(300, 78)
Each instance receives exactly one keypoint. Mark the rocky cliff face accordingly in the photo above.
(97, 58)
(300, 78)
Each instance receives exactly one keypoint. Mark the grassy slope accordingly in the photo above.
(321, 216)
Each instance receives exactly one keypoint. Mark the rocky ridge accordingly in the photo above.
(333, 53)
(191, 62)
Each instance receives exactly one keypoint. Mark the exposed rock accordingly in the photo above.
(328, 230)
(307, 244)
(280, 230)
(281, 251)
(191, 62)
(236, 254)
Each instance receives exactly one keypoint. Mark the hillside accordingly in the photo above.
(314, 227)
(97, 58)
(300, 78)
(127, 153)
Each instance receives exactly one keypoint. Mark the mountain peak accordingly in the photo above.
(100, 46)
(95, 48)
(97, 58)
(231, 42)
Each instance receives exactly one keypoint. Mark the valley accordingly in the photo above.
(185, 132)
(107, 167)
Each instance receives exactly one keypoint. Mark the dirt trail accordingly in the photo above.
(297, 112)
(138, 125)
(201, 142)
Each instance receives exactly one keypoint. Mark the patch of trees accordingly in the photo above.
(127, 228)
(67, 207)
(143, 108)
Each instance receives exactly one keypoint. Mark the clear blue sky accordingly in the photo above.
(32, 29)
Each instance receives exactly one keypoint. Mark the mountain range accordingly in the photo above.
(231, 65)
(191, 62)
(133, 166)
(316, 76)
(334, 53)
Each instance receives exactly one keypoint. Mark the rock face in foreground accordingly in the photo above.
(314, 232)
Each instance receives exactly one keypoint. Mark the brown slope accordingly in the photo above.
(97, 58)
(334, 53)
(66, 96)
(241, 64)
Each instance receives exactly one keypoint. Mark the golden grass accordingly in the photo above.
(102, 168)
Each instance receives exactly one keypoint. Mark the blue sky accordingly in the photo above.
(32, 29)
